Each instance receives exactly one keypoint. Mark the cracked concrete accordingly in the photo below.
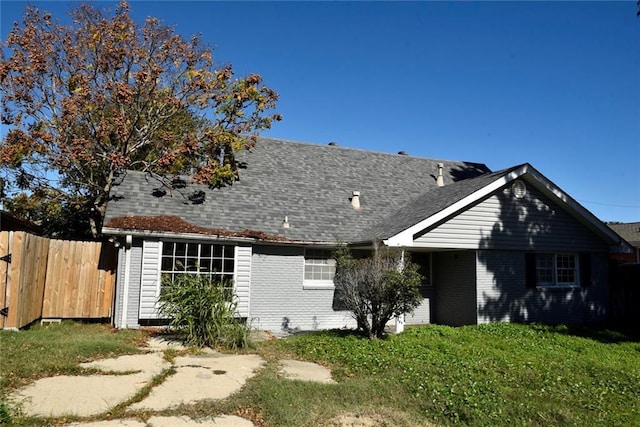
(197, 377)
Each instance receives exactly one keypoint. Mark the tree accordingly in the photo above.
(86, 101)
(376, 288)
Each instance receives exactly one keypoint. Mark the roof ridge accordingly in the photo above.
(365, 150)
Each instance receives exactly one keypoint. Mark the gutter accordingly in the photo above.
(217, 237)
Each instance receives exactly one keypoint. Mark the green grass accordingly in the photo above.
(57, 349)
(498, 374)
(489, 375)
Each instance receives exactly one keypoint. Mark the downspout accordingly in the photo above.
(400, 318)
(127, 273)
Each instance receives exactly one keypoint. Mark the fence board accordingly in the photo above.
(54, 279)
(4, 251)
(13, 280)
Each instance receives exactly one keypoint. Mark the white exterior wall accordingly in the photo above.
(505, 222)
(242, 279)
(278, 297)
(150, 279)
(133, 287)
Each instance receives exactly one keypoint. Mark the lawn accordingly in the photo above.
(498, 374)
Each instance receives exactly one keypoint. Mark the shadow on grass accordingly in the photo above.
(604, 333)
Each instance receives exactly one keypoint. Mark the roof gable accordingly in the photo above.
(465, 194)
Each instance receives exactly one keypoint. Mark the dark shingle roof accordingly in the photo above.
(430, 203)
(629, 231)
(311, 185)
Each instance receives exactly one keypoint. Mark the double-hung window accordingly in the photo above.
(556, 269)
(319, 269)
(209, 259)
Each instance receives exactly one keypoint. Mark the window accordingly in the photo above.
(216, 261)
(553, 269)
(319, 267)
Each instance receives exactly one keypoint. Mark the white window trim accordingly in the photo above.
(561, 285)
(311, 284)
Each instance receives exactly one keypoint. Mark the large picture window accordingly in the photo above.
(213, 260)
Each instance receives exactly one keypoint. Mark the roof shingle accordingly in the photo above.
(311, 185)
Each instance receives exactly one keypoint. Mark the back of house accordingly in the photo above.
(507, 245)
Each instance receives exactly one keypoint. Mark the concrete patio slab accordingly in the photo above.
(221, 421)
(306, 371)
(210, 376)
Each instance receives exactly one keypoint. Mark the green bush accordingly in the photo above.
(204, 310)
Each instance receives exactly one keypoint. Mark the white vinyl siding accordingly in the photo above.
(242, 282)
(504, 222)
(150, 280)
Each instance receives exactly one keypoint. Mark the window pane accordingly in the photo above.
(192, 250)
(566, 268)
(544, 268)
(217, 251)
(216, 265)
(319, 265)
(181, 249)
(205, 265)
(167, 264)
(192, 264)
(228, 252)
(167, 248)
(228, 266)
(205, 251)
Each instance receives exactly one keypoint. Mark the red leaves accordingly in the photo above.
(107, 93)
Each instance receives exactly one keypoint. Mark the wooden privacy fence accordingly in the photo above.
(47, 278)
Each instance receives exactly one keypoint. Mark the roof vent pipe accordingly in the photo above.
(355, 200)
(440, 178)
(285, 223)
(333, 144)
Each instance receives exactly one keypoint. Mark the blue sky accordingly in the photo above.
(555, 84)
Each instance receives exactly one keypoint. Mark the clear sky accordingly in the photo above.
(554, 84)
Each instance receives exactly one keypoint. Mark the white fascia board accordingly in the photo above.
(554, 191)
(405, 238)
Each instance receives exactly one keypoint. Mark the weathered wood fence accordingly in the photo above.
(47, 278)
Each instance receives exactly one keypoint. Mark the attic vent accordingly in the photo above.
(333, 144)
(518, 189)
(355, 200)
(403, 153)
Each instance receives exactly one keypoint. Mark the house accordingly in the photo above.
(507, 245)
(629, 231)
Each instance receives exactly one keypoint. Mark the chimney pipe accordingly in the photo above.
(355, 200)
(440, 178)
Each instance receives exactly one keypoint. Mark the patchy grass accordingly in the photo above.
(498, 374)
(57, 349)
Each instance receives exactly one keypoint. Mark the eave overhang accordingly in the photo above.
(528, 173)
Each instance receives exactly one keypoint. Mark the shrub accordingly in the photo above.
(204, 310)
(376, 288)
